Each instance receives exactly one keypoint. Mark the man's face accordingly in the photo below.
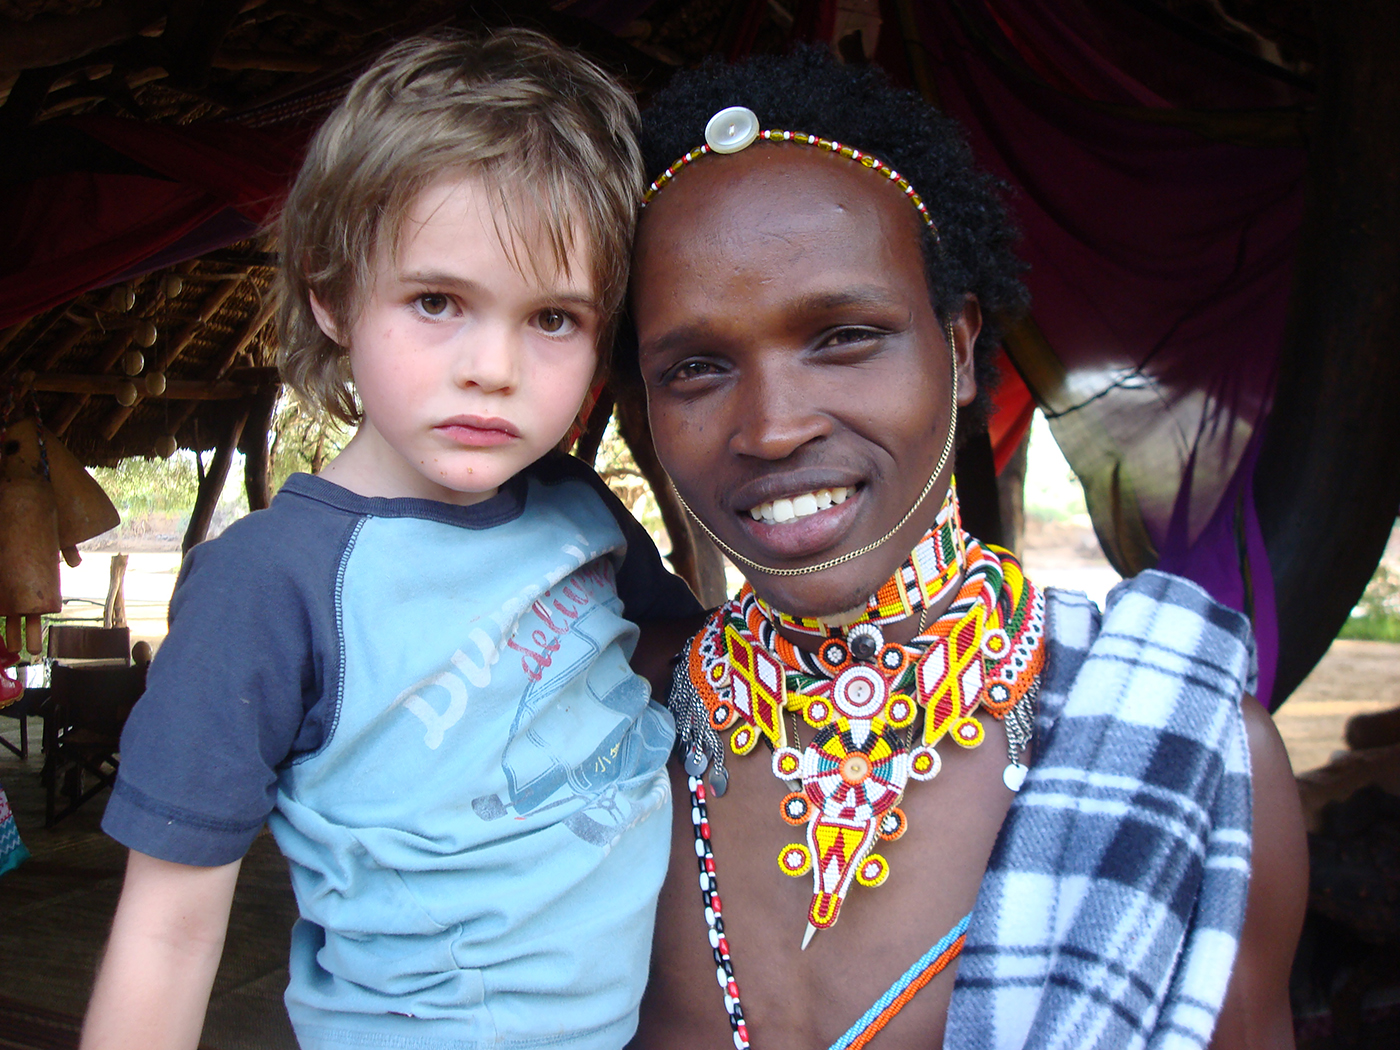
(469, 363)
(797, 376)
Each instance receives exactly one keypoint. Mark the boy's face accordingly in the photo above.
(468, 370)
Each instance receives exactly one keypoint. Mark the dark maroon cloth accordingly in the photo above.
(209, 185)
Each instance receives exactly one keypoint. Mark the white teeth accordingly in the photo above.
(780, 511)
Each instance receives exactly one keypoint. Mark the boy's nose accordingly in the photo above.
(489, 359)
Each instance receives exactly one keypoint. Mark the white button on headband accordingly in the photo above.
(732, 129)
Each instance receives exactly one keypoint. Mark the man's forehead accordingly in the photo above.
(771, 182)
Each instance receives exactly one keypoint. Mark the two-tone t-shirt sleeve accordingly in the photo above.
(224, 706)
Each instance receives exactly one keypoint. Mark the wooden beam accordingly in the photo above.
(207, 309)
(106, 361)
(108, 385)
(223, 364)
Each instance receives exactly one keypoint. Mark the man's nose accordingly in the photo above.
(778, 415)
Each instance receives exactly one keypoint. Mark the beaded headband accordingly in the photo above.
(736, 128)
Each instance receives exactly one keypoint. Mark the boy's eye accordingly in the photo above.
(553, 322)
(433, 304)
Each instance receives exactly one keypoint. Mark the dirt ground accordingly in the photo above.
(1353, 678)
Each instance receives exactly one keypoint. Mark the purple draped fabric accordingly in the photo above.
(1161, 264)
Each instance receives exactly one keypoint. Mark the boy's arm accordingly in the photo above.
(168, 934)
(1256, 1015)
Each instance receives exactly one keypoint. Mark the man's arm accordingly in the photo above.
(659, 643)
(153, 985)
(1257, 1015)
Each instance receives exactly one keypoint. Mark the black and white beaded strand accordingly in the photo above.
(714, 915)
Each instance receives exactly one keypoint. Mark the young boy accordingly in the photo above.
(414, 667)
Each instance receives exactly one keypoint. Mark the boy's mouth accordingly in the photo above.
(477, 431)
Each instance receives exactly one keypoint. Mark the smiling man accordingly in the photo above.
(930, 803)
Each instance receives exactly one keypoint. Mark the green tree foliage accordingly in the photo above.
(1377, 615)
(303, 440)
(141, 487)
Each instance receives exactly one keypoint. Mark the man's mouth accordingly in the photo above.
(780, 511)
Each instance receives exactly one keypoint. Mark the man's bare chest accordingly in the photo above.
(794, 999)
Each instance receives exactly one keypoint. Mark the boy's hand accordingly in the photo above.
(168, 934)
(660, 641)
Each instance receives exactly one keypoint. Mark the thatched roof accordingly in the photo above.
(273, 66)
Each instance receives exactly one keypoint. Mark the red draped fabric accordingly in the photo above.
(64, 234)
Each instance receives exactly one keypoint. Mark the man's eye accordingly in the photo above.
(554, 322)
(843, 336)
(433, 304)
(692, 370)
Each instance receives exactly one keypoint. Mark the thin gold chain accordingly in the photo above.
(852, 555)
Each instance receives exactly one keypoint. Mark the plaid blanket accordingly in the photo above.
(1110, 913)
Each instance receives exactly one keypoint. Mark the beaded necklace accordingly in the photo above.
(863, 698)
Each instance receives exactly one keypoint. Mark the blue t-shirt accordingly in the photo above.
(432, 708)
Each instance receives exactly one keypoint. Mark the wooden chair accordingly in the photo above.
(83, 642)
(66, 642)
(83, 724)
(31, 703)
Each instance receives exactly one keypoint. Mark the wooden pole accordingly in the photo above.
(1011, 488)
(211, 485)
(257, 465)
(114, 610)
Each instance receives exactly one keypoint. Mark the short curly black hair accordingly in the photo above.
(807, 90)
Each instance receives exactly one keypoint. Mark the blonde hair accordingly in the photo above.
(551, 135)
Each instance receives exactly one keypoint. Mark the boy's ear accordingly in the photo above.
(324, 319)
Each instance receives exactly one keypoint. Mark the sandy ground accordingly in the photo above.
(1354, 677)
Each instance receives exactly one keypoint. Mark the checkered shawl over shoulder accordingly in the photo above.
(1110, 913)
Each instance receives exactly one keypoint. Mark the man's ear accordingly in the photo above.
(325, 320)
(967, 325)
